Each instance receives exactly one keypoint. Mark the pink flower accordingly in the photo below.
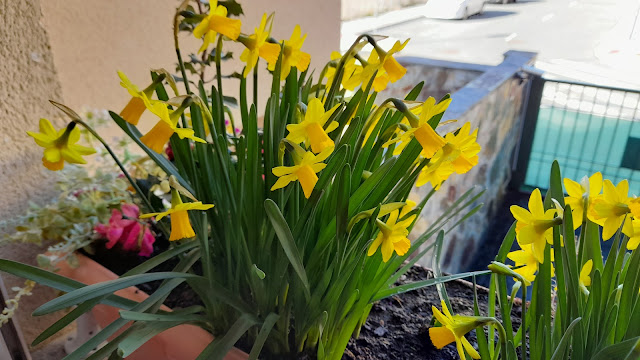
(124, 228)
(169, 151)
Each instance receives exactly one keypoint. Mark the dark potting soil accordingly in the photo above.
(397, 328)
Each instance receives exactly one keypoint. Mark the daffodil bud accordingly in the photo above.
(502, 269)
(180, 110)
(400, 105)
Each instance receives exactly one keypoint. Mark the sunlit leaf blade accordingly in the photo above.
(108, 287)
(56, 281)
(385, 293)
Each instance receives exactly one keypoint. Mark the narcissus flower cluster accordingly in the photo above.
(592, 199)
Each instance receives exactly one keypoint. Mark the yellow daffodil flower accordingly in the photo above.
(585, 275)
(257, 46)
(60, 146)
(330, 73)
(354, 75)
(135, 107)
(435, 173)
(216, 22)
(292, 55)
(430, 140)
(160, 134)
(304, 171)
(393, 234)
(389, 70)
(587, 189)
(633, 232)
(180, 225)
(312, 129)
(610, 208)
(634, 207)
(534, 226)
(459, 154)
(465, 148)
(526, 262)
(454, 328)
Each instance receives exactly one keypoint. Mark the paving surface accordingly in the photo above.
(589, 40)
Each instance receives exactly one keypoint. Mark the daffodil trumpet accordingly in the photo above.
(292, 55)
(135, 107)
(610, 209)
(453, 328)
(392, 235)
(160, 134)
(258, 46)
(180, 224)
(216, 22)
(315, 127)
(304, 170)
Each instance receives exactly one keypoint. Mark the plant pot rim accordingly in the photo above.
(183, 342)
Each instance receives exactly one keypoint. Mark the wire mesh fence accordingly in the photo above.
(587, 128)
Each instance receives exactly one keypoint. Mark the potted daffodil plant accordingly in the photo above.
(288, 220)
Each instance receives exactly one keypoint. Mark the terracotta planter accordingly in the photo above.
(183, 342)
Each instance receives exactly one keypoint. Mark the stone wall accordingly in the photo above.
(440, 77)
(29, 80)
(493, 103)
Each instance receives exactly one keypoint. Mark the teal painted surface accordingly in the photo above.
(582, 143)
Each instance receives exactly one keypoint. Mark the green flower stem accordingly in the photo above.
(176, 44)
(233, 123)
(503, 339)
(255, 84)
(322, 74)
(523, 324)
(122, 168)
(398, 104)
(502, 269)
(380, 108)
(219, 78)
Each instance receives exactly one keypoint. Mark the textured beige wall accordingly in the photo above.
(28, 81)
(93, 39)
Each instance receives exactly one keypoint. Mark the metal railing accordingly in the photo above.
(586, 127)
